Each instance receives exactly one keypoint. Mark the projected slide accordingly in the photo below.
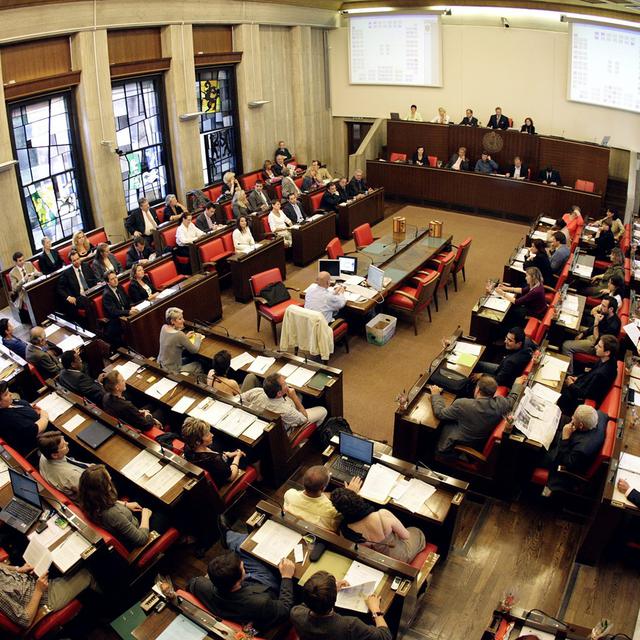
(395, 50)
(605, 66)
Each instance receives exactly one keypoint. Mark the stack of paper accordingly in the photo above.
(73, 423)
(128, 369)
(4, 473)
(164, 480)
(583, 270)
(551, 370)
(167, 292)
(537, 418)
(546, 220)
(261, 365)
(274, 541)
(70, 343)
(210, 410)
(241, 360)
(359, 575)
(70, 551)
(161, 388)
(539, 235)
(38, 556)
(300, 377)
(633, 331)
(181, 628)
(415, 495)
(142, 305)
(54, 405)
(629, 470)
(144, 465)
(51, 534)
(52, 328)
(235, 422)
(183, 405)
(463, 359)
(287, 369)
(496, 303)
(379, 483)
(255, 430)
(546, 393)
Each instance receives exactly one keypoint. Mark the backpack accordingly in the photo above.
(274, 294)
(331, 427)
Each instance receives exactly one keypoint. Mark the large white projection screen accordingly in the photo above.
(605, 66)
(395, 50)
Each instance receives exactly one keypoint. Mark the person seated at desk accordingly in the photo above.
(242, 237)
(49, 260)
(317, 620)
(631, 494)
(73, 377)
(311, 180)
(498, 121)
(341, 188)
(574, 447)
(612, 215)
(186, 234)
(529, 301)
(288, 184)
(283, 151)
(206, 221)
(470, 421)
(279, 223)
(322, 172)
(174, 342)
(559, 252)
(20, 422)
(23, 595)
(56, 467)
(550, 176)
(517, 170)
(293, 210)
(259, 199)
(539, 258)
(116, 405)
(22, 273)
(331, 198)
(38, 354)
(269, 176)
(240, 588)
(459, 161)
(279, 167)
(140, 286)
(605, 322)
(222, 467)
(312, 504)
(605, 241)
(419, 157)
(594, 384)
(104, 262)
(573, 219)
(240, 204)
(17, 345)
(229, 185)
(139, 252)
(320, 298)
(73, 284)
(173, 210)
(442, 117)
(116, 305)
(616, 268)
(218, 377)
(276, 396)
(377, 529)
(528, 127)
(486, 165)
(142, 222)
(98, 498)
(80, 243)
(615, 288)
(469, 119)
(414, 115)
(357, 187)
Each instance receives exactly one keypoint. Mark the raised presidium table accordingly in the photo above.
(520, 622)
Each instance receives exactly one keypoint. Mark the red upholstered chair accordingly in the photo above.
(412, 299)
(433, 161)
(121, 255)
(314, 201)
(214, 192)
(273, 314)
(227, 211)
(510, 123)
(36, 375)
(266, 227)
(248, 181)
(298, 182)
(235, 489)
(45, 627)
(340, 329)
(19, 458)
(64, 252)
(584, 185)
(460, 261)
(213, 255)
(36, 264)
(164, 275)
(160, 213)
(362, 236)
(304, 434)
(278, 189)
(536, 329)
(397, 157)
(97, 236)
(423, 556)
(334, 249)
(443, 265)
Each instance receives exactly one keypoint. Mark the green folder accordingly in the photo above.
(319, 381)
(130, 620)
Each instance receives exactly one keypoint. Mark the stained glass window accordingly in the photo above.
(219, 145)
(140, 139)
(46, 153)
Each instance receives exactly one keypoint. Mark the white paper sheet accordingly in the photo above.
(161, 388)
(569, 320)
(141, 306)
(546, 393)
(241, 360)
(546, 220)
(583, 270)
(416, 494)
(73, 423)
(54, 405)
(379, 483)
(210, 410)
(235, 422)
(183, 404)
(52, 328)
(467, 347)
(629, 462)
(635, 371)
(38, 556)
(66, 554)
(255, 430)
(164, 480)
(537, 418)
(633, 331)
(539, 235)
(276, 542)
(300, 377)
(287, 369)
(261, 365)
(70, 343)
(144, 465)
(359, 574)
(354, 598)
(181, 628)
(167, 292)
(128, 369)
(496, 303)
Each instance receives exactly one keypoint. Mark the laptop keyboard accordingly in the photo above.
(350, 467)
(19, 510)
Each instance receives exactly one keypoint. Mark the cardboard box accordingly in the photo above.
(381, 329)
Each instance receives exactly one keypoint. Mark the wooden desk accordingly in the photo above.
(309, 240)
(369, 208)
(41, 298)
(486, 323)
(534, 619)
(575, 160)
(269, 255)
(519, 199)
(582, 266)
(14, 366)
(570, 323)
(555, 385)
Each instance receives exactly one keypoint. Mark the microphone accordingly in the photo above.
(270, 499)
(436, 475)
(220, 326)
(259, 340)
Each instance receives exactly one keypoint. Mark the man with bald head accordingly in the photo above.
(328, 301)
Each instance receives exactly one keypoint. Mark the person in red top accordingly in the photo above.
(573, 219)
(526, 301)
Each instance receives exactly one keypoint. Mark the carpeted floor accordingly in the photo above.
(373, 376)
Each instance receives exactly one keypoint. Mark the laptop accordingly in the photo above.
(95, 435)
(356, 457)
(394, 116)
(25, 506)
(376, 279)
(331, 266)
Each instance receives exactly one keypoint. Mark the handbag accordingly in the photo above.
(274, 294)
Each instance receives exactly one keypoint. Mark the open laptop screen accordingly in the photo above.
(25, 488)
(331, 266)
(348, 265)
(375, 278)
(355, 447)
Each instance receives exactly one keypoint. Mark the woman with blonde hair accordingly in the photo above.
(229, 184)
(80, 243)
(442, 117)
(240, 204)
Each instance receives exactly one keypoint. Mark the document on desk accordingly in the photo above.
(379, 483)
(583, 270)
(552, 369)
(181, 628)
(416, 494)
(50, 329)
(287, 369)
(571, 304)
(353, 280)
(167, 292)
(164, 480)
(210, 410)
(536, 418)
(261, 365)
(496, 303)
(546, 393)
(236, 422)
(70, 343)
(463, 359)
(70, 551)
(569, 320)
(366, 577)
(161, 388)
(353, 297)
(4, 473)
(354, 598)
(539, 235)
(73, 423)
(546, 220)
(241, 360)
(255, 430)
(54, 405)
(183, 404)
(300, 377)
(38, 556)
(467, 347)
(144, 465)
(128, 369)
(51, 534)
(274, 542)
(633, 331)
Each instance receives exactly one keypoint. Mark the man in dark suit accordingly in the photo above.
(469, 120)
(605, 240)
(138, 252)
(330, 198)
(357, 186)
(550, 176)
(459, 161)
(259, 199)
(518, 170)
(142, 221)
(72, 285)
(206, 221)
(72, 377)
(632, 495)
(283, 151)
(593, 384)
(38, 354)
(116, 305)
(293, 210)
(341, 188)
(498, 121)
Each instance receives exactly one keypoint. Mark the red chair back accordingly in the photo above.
(397, 157)
(98, 307)
(606, 451)
(210, 249)
(64, 252)
(227, 211)
(227, 241)
(433, 161)
(362, 235)
(315, 200)
(97, 236)
(461, 255)
(213, 193)
(298, 182)
(265, 224)
(260, 280)
(36, 263)
(163, 273)
(278, 189)
(585, 185)
(334, 249)
(426, 290)
(169, 236)
(121, 255)
(160, 213)
(248, 181)
(33, 370)
(446, 266)
(494, 438)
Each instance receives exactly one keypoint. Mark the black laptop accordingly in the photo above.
(25, 506)
(95, 435)
(355, 459)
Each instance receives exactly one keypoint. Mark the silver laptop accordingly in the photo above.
(25, 506)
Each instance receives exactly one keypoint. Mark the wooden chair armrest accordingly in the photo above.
(423, 273)
(549, 289)
(574, 476)
(336, 323)
(212, 263)
(470, 452)
(404, 294)
(135, 554)
(259, 300)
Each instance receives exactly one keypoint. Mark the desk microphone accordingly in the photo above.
(220, 326)
(270, 499)
(436, 475)
(259, 340)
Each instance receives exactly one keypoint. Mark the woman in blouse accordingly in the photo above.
(50, 260)
(268, 175)
(526, 301)
(279, 223)
(173, 210)
(222, 467)
(420, 157)
(442, 117)
(81, 244)
(377, 529)
(229, 184)
(240, 204)
(174, 342)
(140, 286)
(527, 127)
(242, 238)
(104, 262)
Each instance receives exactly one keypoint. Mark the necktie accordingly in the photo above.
(298, 213)
(118, 297)
(83, 282)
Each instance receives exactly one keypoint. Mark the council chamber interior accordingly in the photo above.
(318, 319)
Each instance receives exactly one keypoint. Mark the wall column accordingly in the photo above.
(96, 123)
(303, 72)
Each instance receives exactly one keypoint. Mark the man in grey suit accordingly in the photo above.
(22, 273)
(39, 355)
(470, 421)
(259, 199)
(206, 221)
